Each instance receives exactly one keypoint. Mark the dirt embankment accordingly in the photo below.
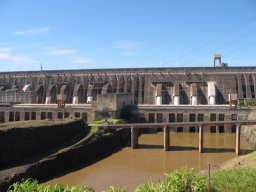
(21, 142)
(81, 153)
(249, 132)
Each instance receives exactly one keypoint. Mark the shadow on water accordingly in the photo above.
(190, 148)
(182, 148)
(149, 146)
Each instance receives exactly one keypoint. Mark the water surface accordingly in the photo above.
(131, 167)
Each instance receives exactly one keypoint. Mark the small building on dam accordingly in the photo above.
(159, 94)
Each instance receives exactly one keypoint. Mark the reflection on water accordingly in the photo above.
(130, 167)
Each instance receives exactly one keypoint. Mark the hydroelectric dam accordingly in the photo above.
(159, 94)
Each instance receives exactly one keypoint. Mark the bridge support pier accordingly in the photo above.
(201, 139)
(238, 132)
(134, 137)
(166, 138)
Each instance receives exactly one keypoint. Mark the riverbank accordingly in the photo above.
(81, 152)
(20, 141)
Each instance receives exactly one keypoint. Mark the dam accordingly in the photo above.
(159, 94)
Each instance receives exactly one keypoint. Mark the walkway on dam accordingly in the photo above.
(166, 127)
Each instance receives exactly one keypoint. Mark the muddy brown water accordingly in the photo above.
(131, 167)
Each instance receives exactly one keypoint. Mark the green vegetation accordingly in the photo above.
(247, 103)
(95, 123)
(177, 181)
(35, 123)
(116, 189)
(183, 180)
(234, 180)
(30, 185)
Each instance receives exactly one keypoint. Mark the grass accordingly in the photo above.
(234, 180)
(34, 123)
(184, 180)
(94, 124)
(30, 185)
(244, 161)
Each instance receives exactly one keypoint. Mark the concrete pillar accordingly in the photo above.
(134, 137)
(75, 100)
(22, 116)
(158, 100)
(48, 100)
(89, 99)
(201, 138)
(212, 100)
(166, 138)
(165, 117)
(211, 93)
(54, 115)
(238, 130)
(194, 100)
(176, 100)
(126, 84)
(38, 115)
(140, 99)
(6, 116)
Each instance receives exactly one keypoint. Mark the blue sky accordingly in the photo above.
(85, 34)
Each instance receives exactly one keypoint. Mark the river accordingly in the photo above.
(131, 167)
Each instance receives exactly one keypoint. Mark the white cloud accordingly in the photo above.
(127, 45)
(54, 51)
(128, 53)
(81, 60)
(19, 59)
(35, 31)
(7, 54)
(4, 56)
(128, 48)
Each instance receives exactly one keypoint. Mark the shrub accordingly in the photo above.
(183, 180)
(31, 185)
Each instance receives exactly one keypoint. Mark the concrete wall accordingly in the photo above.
(141, 83)
(18, 97)
(113, 103)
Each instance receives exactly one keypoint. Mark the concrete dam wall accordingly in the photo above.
(175, 86)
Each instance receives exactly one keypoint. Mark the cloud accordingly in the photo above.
(19, 59)
(35, 31)
(127, 45)
(128, 53)
(54, 51)
(128, 48)
(7, 54)
(4, 56)
(81, 60)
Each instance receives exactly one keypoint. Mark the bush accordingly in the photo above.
(183, 180)
(31, 185)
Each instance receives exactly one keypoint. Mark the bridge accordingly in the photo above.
(166, 128)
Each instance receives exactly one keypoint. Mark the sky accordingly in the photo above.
(88, 34)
